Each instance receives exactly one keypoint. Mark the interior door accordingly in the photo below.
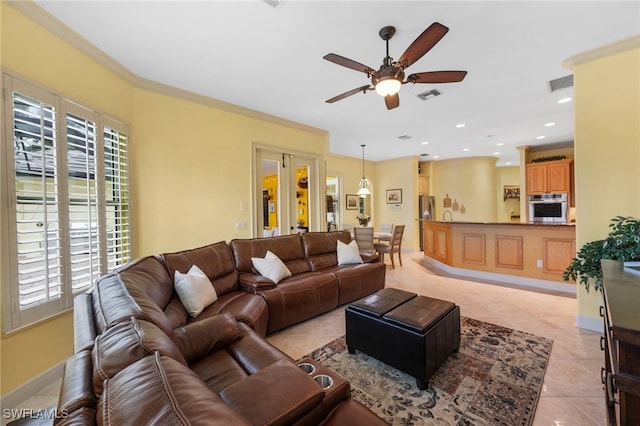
(286, 193)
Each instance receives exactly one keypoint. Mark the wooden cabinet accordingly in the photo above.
(423, 185)
(549, 177)
(621, 342)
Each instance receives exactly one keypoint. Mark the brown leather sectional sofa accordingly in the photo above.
(141, 359)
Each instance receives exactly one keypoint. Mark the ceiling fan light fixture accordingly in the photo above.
(387, 80)
(388, 87)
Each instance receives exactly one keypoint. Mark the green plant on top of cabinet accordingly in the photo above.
(549, 177)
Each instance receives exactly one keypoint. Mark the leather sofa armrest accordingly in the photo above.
(300, 395)
(370, 258)
(76, 391)
(84, 326)
(255, 283)
(200, 338)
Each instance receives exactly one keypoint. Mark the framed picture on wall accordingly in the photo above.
(352, 202)
(394, 196)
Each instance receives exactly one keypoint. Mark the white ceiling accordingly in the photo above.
(270, 59)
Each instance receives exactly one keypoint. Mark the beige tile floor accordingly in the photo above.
(572, 393)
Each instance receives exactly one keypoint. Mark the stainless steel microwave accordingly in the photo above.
(548, 208)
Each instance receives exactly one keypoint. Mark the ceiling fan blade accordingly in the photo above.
(423, 43)
(392, 101)
(346, 62)
(437, 77)
(349, 93)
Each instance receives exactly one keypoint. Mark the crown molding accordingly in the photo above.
(602, 52)
(51, 23)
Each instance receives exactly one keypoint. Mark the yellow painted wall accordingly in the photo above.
(469, 181)
(401, 173)
(270, 183)
(35, 53)
(607, 150)
(192, 170)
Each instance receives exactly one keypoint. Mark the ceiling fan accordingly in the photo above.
(389, 77)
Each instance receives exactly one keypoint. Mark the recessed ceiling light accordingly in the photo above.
(436, 156)
(508, 164)
(500, 144)
(460, 125)
(564, 100)
(540, 137)
(425, 143)
(466, 150)
(550, 124)
(496, 153)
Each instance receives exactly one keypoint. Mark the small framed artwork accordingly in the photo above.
(394, 196)
(352, 202)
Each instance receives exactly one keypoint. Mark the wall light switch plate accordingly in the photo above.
(241, 225)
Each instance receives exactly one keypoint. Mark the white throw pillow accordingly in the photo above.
(348, 254)
(194, 290)
(271, 267)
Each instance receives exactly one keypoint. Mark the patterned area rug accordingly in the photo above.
(494, 379)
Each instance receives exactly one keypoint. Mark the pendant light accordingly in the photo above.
(364, 183)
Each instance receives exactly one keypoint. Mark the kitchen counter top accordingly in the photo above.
(456, 222)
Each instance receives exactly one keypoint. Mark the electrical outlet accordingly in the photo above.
(539, 263)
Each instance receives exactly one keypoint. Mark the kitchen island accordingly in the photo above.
(522, 253)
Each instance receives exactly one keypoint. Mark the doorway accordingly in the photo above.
(287, 193)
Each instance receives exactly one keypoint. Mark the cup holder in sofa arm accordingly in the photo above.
(300, 395)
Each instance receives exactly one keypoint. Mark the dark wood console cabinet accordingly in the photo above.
(621, 342)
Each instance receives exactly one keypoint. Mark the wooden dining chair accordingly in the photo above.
(364, 239)
(394, 246)
(386, 228)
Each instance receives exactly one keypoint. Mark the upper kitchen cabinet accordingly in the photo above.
(423, 185)
(549, 177)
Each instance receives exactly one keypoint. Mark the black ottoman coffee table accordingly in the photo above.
(415, 334)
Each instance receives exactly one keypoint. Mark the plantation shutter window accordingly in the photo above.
(67, 210)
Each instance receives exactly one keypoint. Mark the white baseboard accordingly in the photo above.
(590, 323)
(16, 397)
(565, 289)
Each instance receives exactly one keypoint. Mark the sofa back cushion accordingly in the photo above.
(215, 260)
(320, 247)
(125, 343)
(161, 390)
(142, 289)
(287, 247)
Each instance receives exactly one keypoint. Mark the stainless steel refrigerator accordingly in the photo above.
(427, 209)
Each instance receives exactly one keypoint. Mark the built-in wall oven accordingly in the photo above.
(548, 208)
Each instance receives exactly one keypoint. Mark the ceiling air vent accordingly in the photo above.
(561, 83)
(429, 94)
(274, 3)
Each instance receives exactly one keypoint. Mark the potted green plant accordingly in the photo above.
(622, 243)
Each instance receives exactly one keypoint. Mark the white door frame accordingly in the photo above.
(317, 188)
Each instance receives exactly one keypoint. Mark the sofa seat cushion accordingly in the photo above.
(301, 297)
(160, 390)
(297, 394)
(248, 308)
(215, 260)
(245, 356)
(357, 281)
